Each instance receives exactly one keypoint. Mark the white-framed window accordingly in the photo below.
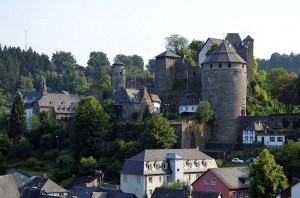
(165, 165)
(186, 108)
(149, 166)
(159, 179)
(150, 180)
(206, 181)
(279, 139)
(193, 108)
(150, 192)
(213, 181)
(157, 165)
(272, 139)
(125, 178)
(138, 179)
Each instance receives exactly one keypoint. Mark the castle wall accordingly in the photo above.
(164, 74)
(226, 89)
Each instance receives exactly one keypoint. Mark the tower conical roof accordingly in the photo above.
(168, 54)
(224, 54)
(118, 63)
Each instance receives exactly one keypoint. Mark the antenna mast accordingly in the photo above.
(25, 40)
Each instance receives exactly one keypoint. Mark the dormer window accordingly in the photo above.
(189, 164)
(149, 165)
(51, 102)
(62, 103)
(204, 163)
(165, 165)
(157, 165)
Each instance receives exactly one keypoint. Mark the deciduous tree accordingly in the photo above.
(267, 177)
(158, 133)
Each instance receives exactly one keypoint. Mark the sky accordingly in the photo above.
(140, 27)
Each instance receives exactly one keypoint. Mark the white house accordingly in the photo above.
(209, 42)
(292, 191)
(261, 133)
(189, 104)
(142, 173)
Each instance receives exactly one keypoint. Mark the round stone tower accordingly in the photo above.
(118, 75)
(224, 84)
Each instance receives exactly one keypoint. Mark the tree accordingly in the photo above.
(211, 49)
(195, 47)
(268, 178)
(104, 83)
(175, 43)
(91, 127)
(204, 113)
(98, 66)
(158, 133)
(285, 122)
(146, 114)
(64, 61)
(151, 66)
(17, 119)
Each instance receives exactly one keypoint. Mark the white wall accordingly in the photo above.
(156, 107)
(295, 191)
(188, 108)
(202, 53)
(131, 185)
(268, 143)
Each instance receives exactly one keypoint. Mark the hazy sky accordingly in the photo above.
(140, 26)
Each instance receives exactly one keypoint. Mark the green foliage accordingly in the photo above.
(98, 66)
(114, 168)
(32, 162)
(175, 185)
(90, 128)
(212, 49)
(103, 84)
(158, 133)
(219, 163)
(124, 150)
(285, 122)
(131, 62)
(204, 113)
(17, 120)
(136, 116)
(18, 150)
(289, 158)
(175, 43)
(268, 178)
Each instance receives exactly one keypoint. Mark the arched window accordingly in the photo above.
(243, 112)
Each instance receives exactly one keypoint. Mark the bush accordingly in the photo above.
(32, 162)
(50, 154)
(136, 116)
(219, 163)
(176, 185)
(296, 123)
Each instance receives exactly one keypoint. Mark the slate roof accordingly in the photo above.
(81, 181)
(118, 63)
(45, 184)
(258, 127)
(28, 97)
(131, 96)
(231, 176)
(190, 99)
(180, 193)
(224, 54)
(167, 54)
(61, 102)
(234, 39)
(135, 164)
(248, 38)
(19, 177)
(213, 40)
(87, 192)
(8, 187)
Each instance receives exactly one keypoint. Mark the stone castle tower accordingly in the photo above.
(118, 75)
(245, 49)
(224, 84)
(164, 71)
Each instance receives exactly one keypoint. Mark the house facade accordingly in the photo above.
(291, 192)
(130, 101)
(232, 182)
(189, 104)
(142, 173)
(262, 134)
(207, 45)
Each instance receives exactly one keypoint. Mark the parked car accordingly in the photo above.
(250, 160)
(237, 160)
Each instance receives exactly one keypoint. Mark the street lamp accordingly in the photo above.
(57, 157)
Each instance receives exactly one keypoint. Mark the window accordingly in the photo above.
(206, 181)
(181, 108)
(165, 165)
(211, 65)
(138, 179)
(198, 175)
(233, 194)
(157, 165)
(229, 65)
(125, 178)
(159, 179)
(213, 181)
(149, 166)
(272, 139)
(189, 177)
(193, 108)
(246, 194)
(240, 193)
(150, 180)
(279, 139)
(186, 108)
(220, 65)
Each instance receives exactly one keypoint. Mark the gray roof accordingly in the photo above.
(61, 102)
(231, 176)
(260, 126)
(45, 184)
(224, 54)
(248, 38)
(135, 164)
(8, 187)
(20, 178)
(181, 193)
(132, 96)
(215, 40)
(118, 63)
(168, 54)
(190, 99)
(234, 39)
